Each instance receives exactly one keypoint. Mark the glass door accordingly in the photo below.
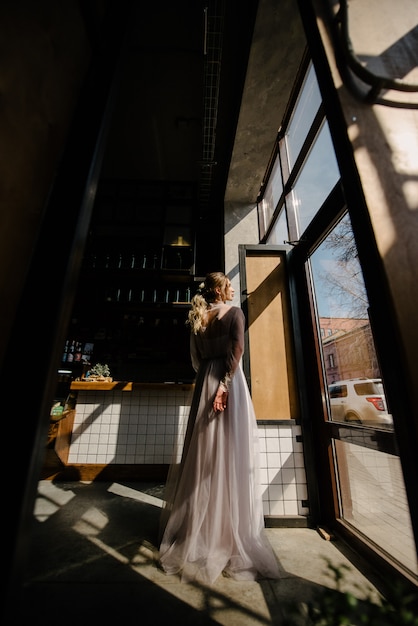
(370, 489)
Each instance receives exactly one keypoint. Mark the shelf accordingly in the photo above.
(147, 305)
(137, 280)
(162, 273)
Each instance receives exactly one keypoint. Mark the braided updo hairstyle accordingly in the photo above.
(205, 295)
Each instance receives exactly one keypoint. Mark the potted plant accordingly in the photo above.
(99, 372)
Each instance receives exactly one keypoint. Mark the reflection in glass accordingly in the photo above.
(279, 234)
(272, 194)
(318, 177)
(360, 401)
(304, 113)
(350, 362)
(373, 500)
(371, 486)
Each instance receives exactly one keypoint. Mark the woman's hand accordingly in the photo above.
(220, 400)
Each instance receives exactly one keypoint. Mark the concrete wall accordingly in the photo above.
(241, 227)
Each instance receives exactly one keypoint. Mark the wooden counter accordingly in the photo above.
(83, 385)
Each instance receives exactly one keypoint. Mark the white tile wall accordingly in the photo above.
(282, 468)
(143, 426)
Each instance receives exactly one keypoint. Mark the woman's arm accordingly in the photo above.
(236, 348)
(234, 355)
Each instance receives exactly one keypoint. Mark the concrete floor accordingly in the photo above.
(92, 560)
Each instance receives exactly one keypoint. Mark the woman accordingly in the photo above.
(213, 520)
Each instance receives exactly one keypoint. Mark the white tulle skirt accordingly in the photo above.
(212, 522)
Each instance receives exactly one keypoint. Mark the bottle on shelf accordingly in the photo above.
(78, 351)
(65, 353)
(71, 352)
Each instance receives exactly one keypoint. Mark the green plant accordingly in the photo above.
(333, 607)
(99, 370)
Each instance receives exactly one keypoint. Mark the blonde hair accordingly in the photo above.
(205, 295)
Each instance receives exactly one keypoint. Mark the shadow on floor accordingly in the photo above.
(92, 559)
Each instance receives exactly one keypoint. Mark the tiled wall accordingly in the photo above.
(143, 427)
(282, 470)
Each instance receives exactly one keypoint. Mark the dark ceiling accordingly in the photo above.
(175, 119)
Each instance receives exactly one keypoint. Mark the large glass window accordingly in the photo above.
(317, 178)
(374, 501)
(306, 108)
(369, 488)
(279, 233)
(351, 367)
(271, 194)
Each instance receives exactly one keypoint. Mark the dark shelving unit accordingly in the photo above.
(136, 283)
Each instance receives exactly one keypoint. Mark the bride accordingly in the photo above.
(212, 522)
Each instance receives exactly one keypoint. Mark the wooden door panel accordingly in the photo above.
(270, 355)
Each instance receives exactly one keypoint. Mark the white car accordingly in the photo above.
(361, 401)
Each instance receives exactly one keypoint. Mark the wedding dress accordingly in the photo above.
(212, 522)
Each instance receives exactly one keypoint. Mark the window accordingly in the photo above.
(271, 194)
(338, 391)
(356, 420)
(303, 116)
(316, 180)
